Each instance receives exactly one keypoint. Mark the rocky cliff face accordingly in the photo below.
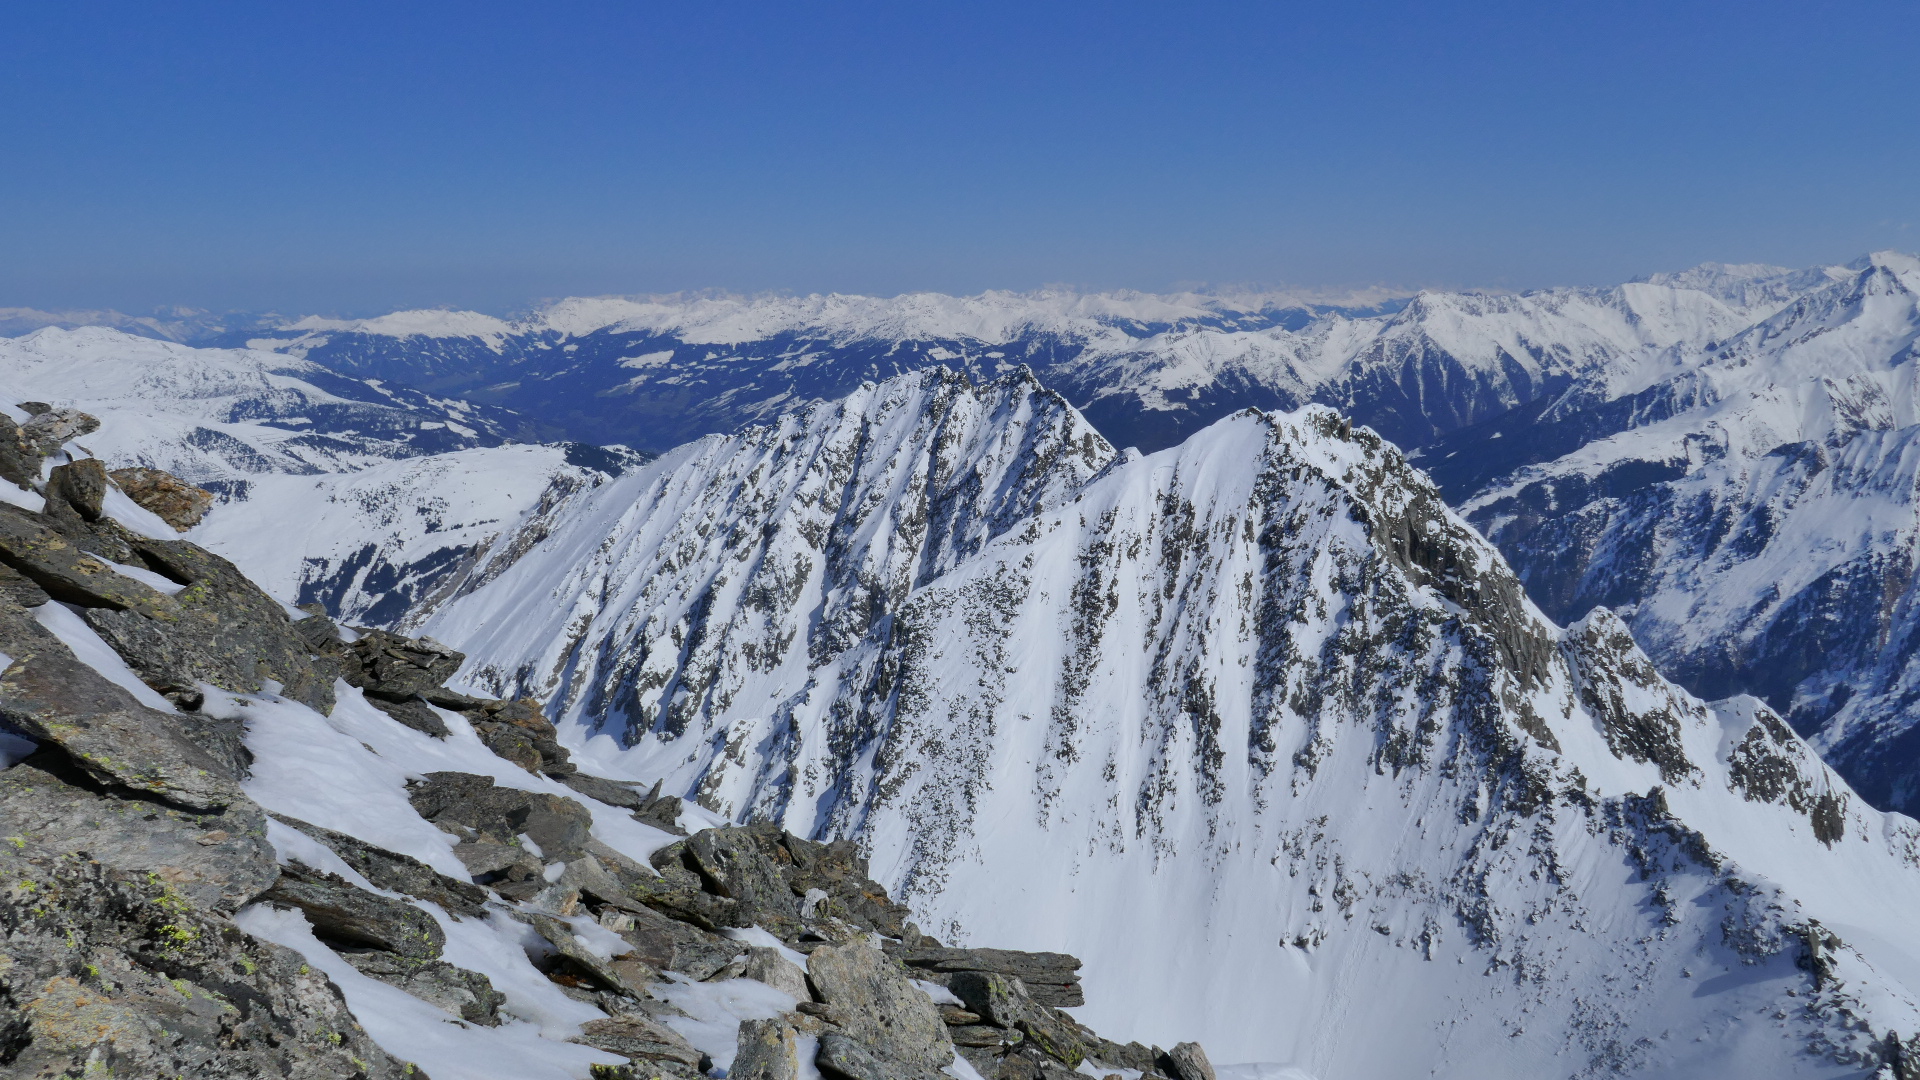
(240, 840)
(1256, 719)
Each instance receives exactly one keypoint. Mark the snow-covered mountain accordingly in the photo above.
(1256, 721)
(1750, 512)
(1147, 370)
(362, 495)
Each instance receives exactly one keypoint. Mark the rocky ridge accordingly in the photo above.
(1261, 698)
(162, 917)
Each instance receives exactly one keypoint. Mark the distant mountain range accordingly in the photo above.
(1258, 717)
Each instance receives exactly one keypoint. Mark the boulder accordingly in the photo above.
(672, 945)
(468, 995)
(574, 959)
(456, 801)
(643, 1040)
(107, 972)
(215, 861)
(49, 695)
(19, 590)
(220, 628)
(397, 668)
(769, 966)
(34, 549)
(652, 808)
(78, 487)
(888, 1015)
(1004, 1002)
(1187, 1061)
(734, 863)
(414, 712)
(48, 430)
(344, 913)
(168, 497)
(1051, 978)
(400, 873)
(768, 1050)
(611, 792)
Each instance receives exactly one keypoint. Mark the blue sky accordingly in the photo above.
(344, 157)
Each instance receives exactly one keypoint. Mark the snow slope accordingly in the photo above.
(1256, 720)
(364, 496)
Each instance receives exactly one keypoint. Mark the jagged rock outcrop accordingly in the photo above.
(129, 843)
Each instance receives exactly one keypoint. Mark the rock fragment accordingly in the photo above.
(345, 913)
(168, 497)
(50, 428)
(768, 1050)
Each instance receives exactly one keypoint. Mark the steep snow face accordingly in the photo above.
(1752, 516)
(1147, 370)
(368, 498)
(721, 576)
(1256, 720)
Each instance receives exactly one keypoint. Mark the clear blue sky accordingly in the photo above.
(347, 157)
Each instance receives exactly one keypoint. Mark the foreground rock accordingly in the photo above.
(131, 845)
(170, 498)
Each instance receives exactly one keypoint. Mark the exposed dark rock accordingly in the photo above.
(576, 960)
(456, 801)
(466, 994)
(982, 1035)
(669, 944)
(611, 792)
(414, 713)
(168, 497)
(216, 861)
(344, 913)
(33, 548)
(733, 863)
(397, 668)
(508, 869)
(220, 628)
(1605, 659)
(884, 1011)
(768, 1050)
(1003, 1001)
(48, 694)
(400, 873)
(1051, 978)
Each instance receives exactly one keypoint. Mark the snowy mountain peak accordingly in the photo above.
(1260, 697)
